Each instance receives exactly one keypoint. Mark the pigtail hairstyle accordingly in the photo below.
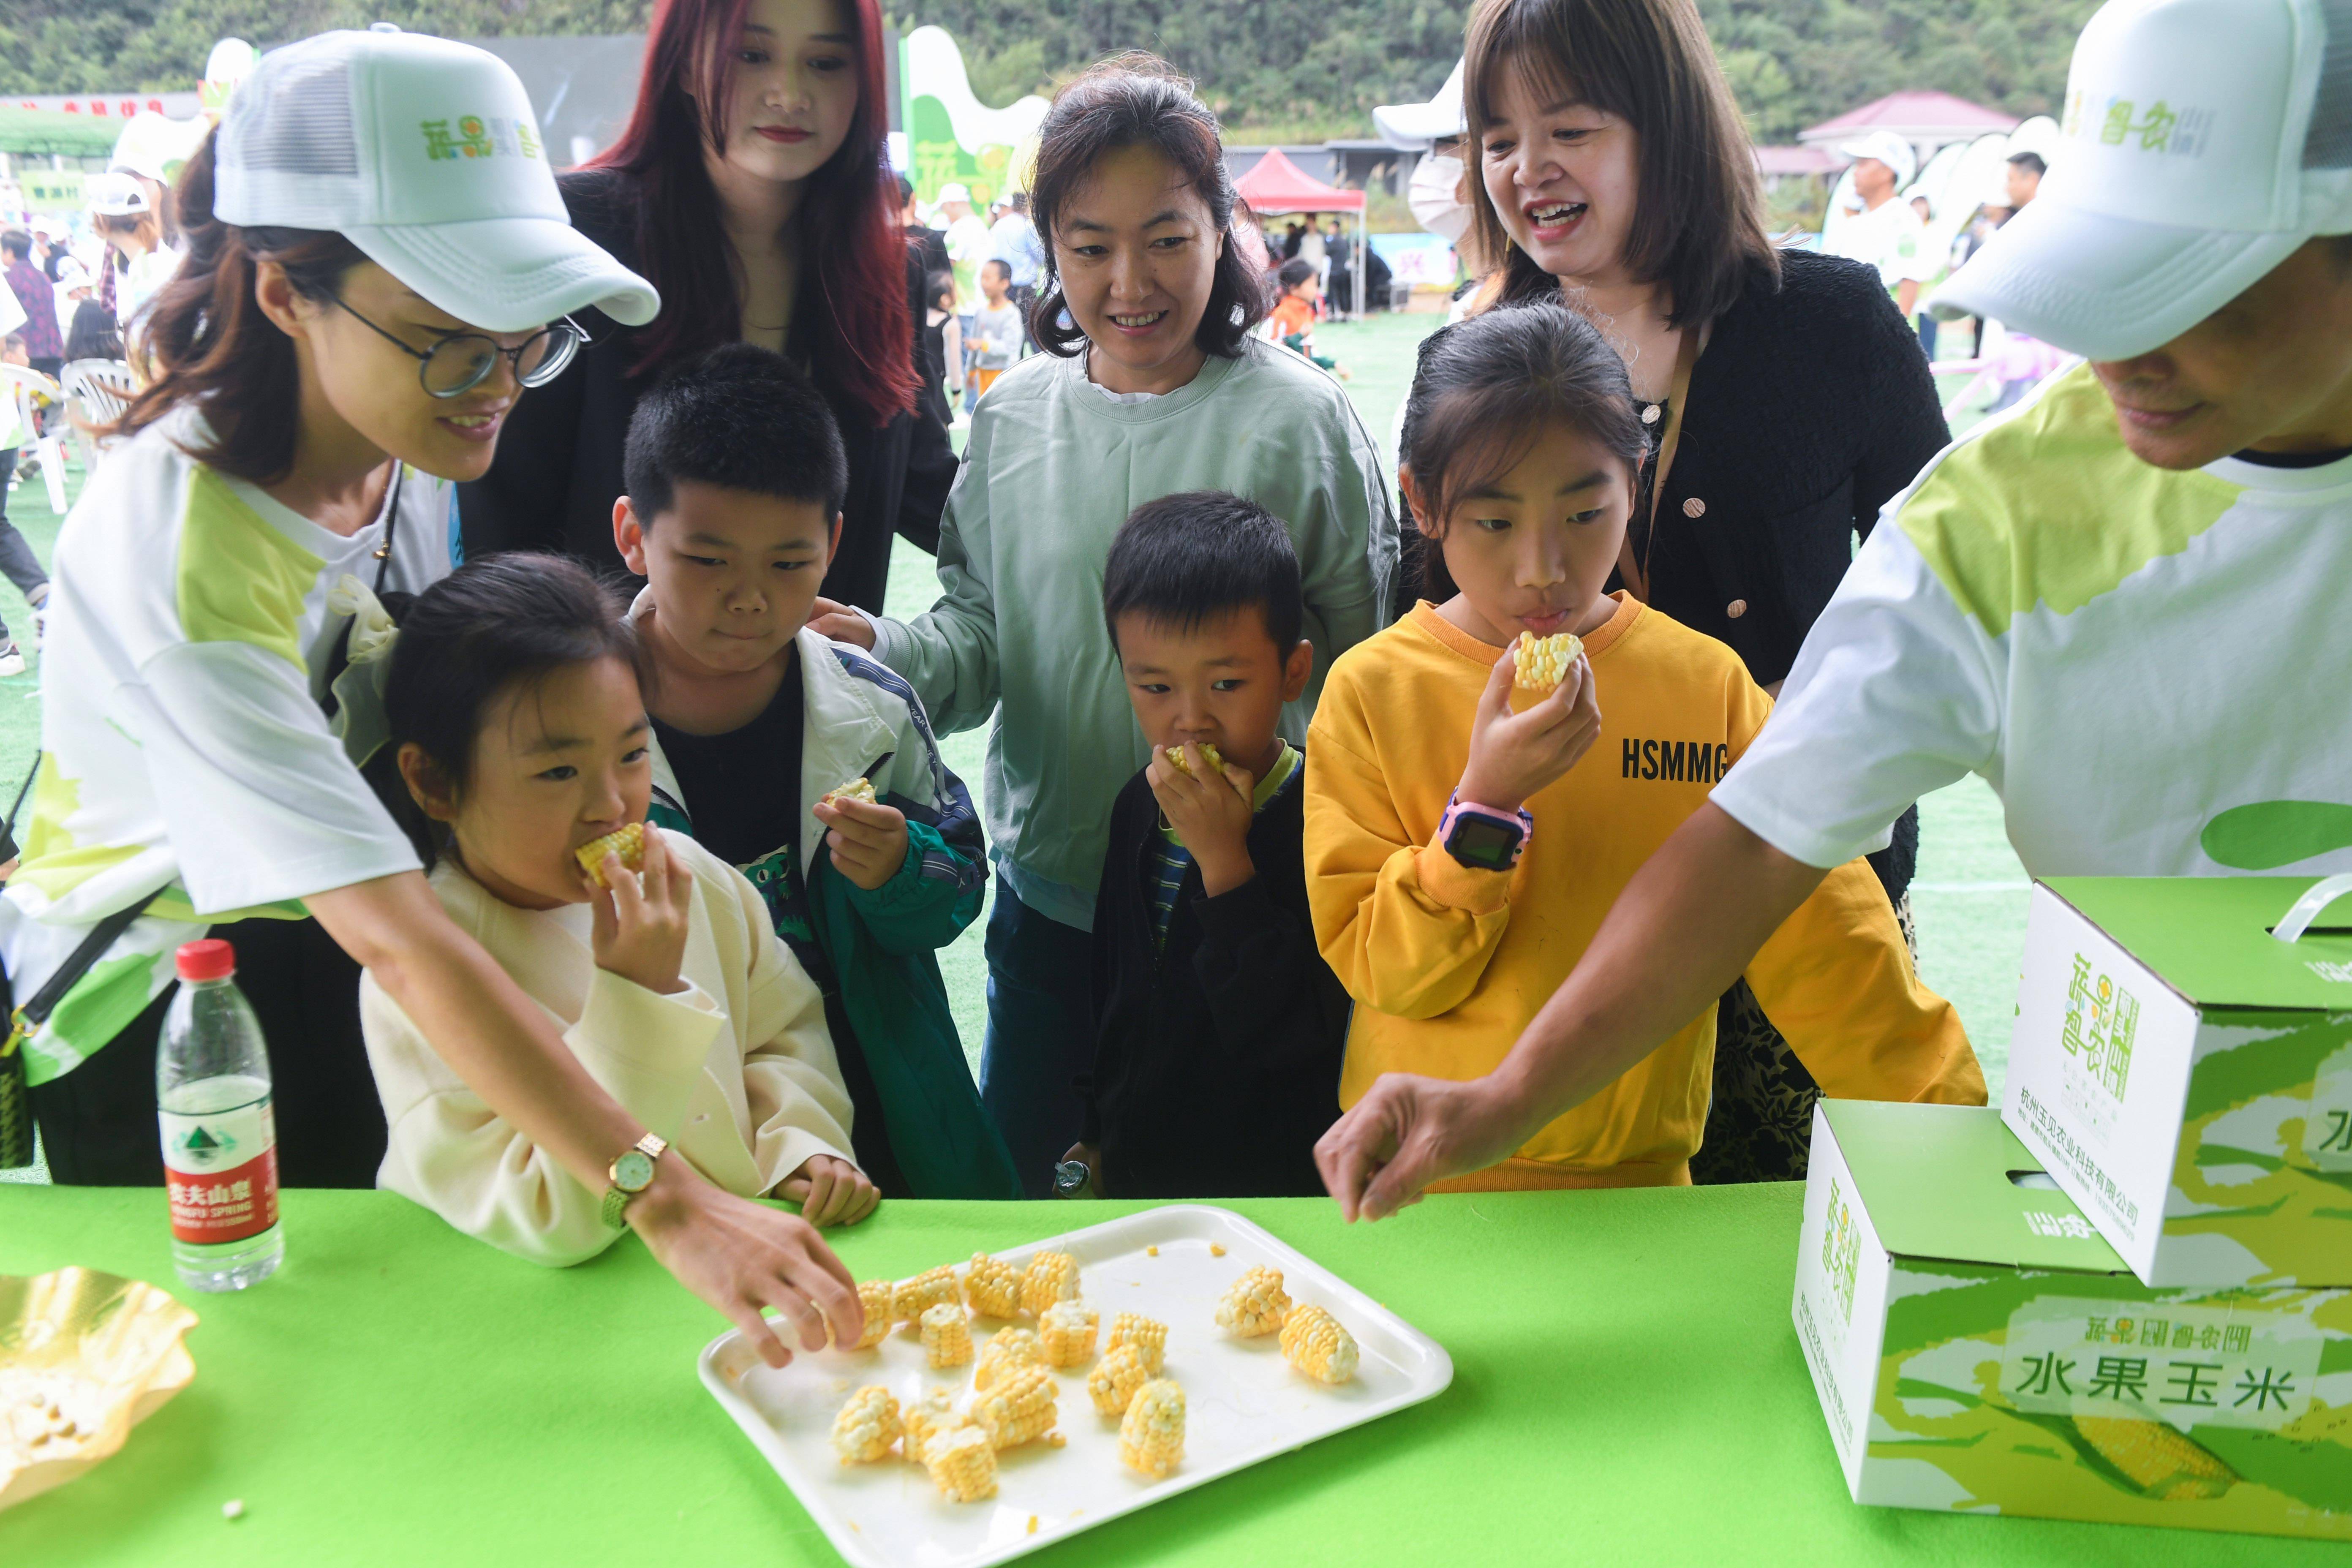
(1131, 100)
(1487, 388)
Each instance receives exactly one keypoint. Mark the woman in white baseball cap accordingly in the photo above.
(379, 267)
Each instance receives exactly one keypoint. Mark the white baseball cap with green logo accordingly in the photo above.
(2203, 142)
(425, 153)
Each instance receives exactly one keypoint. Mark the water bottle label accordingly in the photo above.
(222, 1173)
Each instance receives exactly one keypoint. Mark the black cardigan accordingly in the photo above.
(1217, 1058)
(558, 470)
(1812, 407)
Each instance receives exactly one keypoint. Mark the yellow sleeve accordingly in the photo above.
(1407, 928)
(1836, 981)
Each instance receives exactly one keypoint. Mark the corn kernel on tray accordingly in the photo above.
(1243, 1402)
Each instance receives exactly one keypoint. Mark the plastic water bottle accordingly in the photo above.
(220, 1135)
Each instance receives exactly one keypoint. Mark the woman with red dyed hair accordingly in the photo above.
(751, 187)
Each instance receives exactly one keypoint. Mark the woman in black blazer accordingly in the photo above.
(1787, 398)
(751, 187)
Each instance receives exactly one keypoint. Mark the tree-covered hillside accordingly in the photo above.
(1308, 66)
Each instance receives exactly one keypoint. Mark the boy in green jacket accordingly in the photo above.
(763, 730)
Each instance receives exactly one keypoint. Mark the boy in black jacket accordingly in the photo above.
(1219, 1027)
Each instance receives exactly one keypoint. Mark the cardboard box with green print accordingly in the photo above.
(1978, 1347)
(2183, 1062)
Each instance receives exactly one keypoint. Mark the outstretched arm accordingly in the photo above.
(1683, 929)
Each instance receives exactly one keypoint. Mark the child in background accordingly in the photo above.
(995, 330)
(1463, 842)
(518, 720)
(1219, 1026)
(1295, 311)
(16, 558)
(943, 342)
(736, 474)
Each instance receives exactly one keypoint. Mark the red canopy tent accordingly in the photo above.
(1274, 185)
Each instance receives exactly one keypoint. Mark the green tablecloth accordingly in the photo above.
(1627, 1390)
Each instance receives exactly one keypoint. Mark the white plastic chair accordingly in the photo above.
(25, 385)
(98, 390)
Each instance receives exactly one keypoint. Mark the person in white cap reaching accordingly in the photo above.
(379, 267)
(2121, 604)
(1887, 233)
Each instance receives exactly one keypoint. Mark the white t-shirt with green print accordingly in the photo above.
(184, 744)
(2153, 668)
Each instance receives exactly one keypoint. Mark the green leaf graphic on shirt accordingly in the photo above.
(240, 580)
(2271, 833)
(99, 1006)
(2051, 508)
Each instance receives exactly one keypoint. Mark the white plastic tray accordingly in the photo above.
(1242, 1402)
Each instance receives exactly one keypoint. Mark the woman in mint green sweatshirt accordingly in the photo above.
(1153, 385)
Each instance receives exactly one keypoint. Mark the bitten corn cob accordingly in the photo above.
(1314, 1342)
(925, 1419)
(963, 1463)
(867, 1425)
(1007, 1351)
(855, 789)
(1147, 1335)
(629, 844)
(1208, 755)
(1152, 1436)
(875, 1296)
(1256, 1304)
(2165, 1465)
(925, 1291)
(993, 1287)
(1068, 1333)
(1020, 1409)
(947, 1338)
(1052, 1277)
(1543, 662)
(1114, 1379)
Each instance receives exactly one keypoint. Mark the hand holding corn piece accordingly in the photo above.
(1543, 663)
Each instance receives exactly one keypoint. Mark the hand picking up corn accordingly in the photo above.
(1543, 662)
(866, 1426)
(1314, 1342)
(1208, 755)
(1114, 1379)
(855, 789)
(947, 1338)
(628, 843)
(1148, 1336)
(1052, 1277)
(1256, 1304)
(1067, 1331)
(914, 1297)
(1151, 1435)
(963, 1462)
(993, 1286)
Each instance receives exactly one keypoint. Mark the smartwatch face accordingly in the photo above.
(633, 1171)
(1482, 841)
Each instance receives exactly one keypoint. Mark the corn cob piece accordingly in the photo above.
(947, 1338)
(1019, 1408)
(1152, 1433)
(855, 789)
(1147, 1335)
(925, 1419)
(1208, 755)
(1052, 1277)
(1542, 663)
(867, 1425)
(875, 1295)
(1067, 1334)
(930, 1288)
(964, 1464)
(629, 844)
(1256, 1304)
(2159, 1460)
(1314, 1342)
(993, 1287)
(1007, 1351)
(1114, 1379)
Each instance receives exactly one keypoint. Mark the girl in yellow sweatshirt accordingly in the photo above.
(1464, 839)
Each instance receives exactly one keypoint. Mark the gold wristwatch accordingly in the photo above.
(630, 1174)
